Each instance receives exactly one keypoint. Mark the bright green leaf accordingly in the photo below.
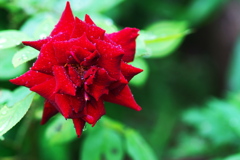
(11, 38)
(10, 115)
(45, 27)
(140, 78)
(59, 128)
(5, 96)
(106, 144)
(232, 157)
(234, 74)
(7, 71)
(163, 38)
(23, 55)
(137, 148)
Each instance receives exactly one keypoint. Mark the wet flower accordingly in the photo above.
(79, 67)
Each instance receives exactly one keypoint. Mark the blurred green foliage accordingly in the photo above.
(186, 114)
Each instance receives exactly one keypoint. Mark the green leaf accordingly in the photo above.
(140, 78)
(163, 38)
(137, 148)
(59, 128)
(10, 115)
(232, 157)
(200, 10)
(7, 71)
(5, 96)
(44, 28)
(23, 55)
(234, 74)
(11, 38)
(106, 144)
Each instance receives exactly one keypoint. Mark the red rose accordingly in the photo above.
(79, 67)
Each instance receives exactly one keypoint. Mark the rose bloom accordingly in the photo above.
(79, 67)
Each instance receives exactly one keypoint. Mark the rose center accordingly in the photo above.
(79, 69)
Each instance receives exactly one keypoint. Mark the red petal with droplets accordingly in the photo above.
(88, 20)
(39, 44)
(66, 22)
(100, 84)
(127, 39)
(80, 54)
(74, 76)
(129, 71)
(31, 78)
(48, 111)
(90, 60)
(124, 98)
(79, 125)
(94, 111)
(46, 89)
(63, 83)
(117, 86)
(63, 105)
(110, 58)
(80, 27)
(46, 59)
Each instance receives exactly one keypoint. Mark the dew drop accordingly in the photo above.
(4, 126)
(2, 40)
(4, 112)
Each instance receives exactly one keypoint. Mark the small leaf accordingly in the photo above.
(11, 38)
(23, 55)
(59, 128)
(137, 148)
(10, 115)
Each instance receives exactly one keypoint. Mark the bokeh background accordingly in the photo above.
(189, 90)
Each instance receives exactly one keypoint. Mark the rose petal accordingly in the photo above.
(95, 32)
(46, 89)
(39, 43)
(80, 27)
(91, 59)
(85, 43)
(63, 83)
(100, 84)
(129, 71)
(79, 125)
(69, 105)
(127, 39)
(63, 52)
(94, 111)
(74, 76)
(48, 112)
(31, 78)
(110, 58)
(45, 60)
(117, 86)
(79, 54)
(124, 98)
(66, 22)
(88, 20)
(63, 105)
